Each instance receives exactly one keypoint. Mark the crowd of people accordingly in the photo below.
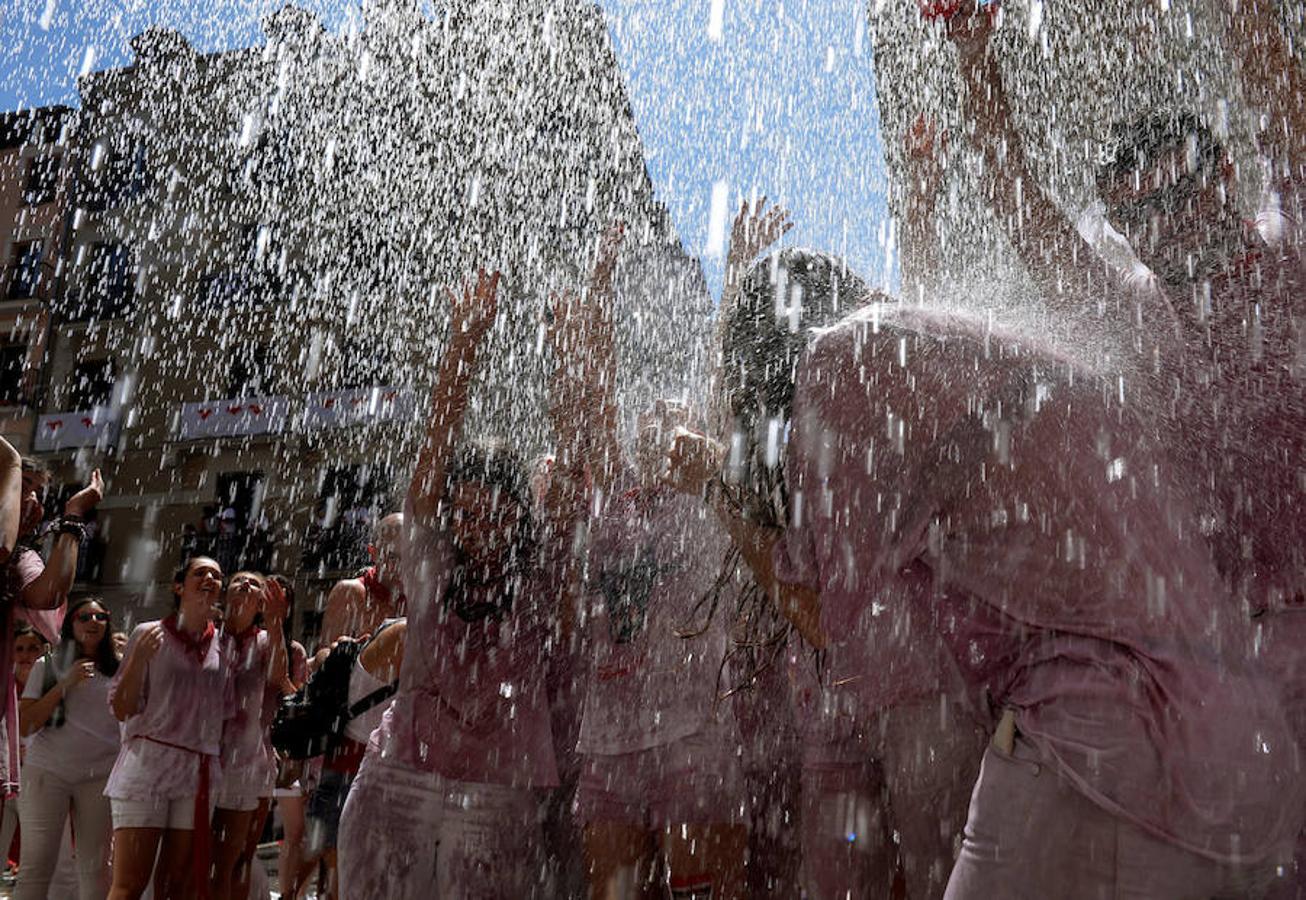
(911, 605)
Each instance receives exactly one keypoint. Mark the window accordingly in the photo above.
(92, 384)
(114, 176)
(250, 375)
(25, 269)
(240, 494)
(232, 529)
(13, 365)
(110, 280)
(349, 500)
(42, 176)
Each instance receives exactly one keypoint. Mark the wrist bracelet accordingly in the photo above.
(72, 526)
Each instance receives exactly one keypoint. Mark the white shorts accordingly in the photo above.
(235, 800)
(160, 812)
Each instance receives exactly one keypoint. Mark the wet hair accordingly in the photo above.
(492, 464)
(106, 658)
(782, 299)
(179, 578)
(1136, 144)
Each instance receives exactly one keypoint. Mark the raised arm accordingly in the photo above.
(274, 620)
(926, 165)
(50, 589)
(583, 412)
(693, 465)
(471, 316)
(126, 694)
(11, 498)
(1054, 253)
(1272, 79)
(583, 392)
(35, 712)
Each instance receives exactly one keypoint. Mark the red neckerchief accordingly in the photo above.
(196, 647)
(244, 637)
(372, 584)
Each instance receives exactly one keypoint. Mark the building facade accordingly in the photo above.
(34, 181)
(258, 244)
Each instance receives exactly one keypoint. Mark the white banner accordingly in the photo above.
(370, 406)
(232, 418)
(71, 430)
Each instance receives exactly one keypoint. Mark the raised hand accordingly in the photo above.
(274, 603)
(81, 670)
(148, 644)
(89, 497)
(473, 313)
(754, 230)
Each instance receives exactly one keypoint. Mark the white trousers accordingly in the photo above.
(45, 801)
(408, 835)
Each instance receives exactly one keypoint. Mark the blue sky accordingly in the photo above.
(732, 97)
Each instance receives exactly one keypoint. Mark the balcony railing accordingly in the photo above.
(339, 547)
(96, 427)
(235, 417)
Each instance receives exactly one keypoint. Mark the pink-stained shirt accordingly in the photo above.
(656, 655)
(472, 704)
(25, 567)
(183, 702)
(1061, 543)
(249, 765)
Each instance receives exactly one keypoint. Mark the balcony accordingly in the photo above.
(363, 406)
(96, 427)
(235, 417)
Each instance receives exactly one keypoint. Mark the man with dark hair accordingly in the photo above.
(41, 586)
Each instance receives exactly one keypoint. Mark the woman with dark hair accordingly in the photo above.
(257, 660)
(909, 732)
(445, 802)
(74, 742)
(171, 695)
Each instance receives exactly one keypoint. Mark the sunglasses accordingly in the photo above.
(92, 617)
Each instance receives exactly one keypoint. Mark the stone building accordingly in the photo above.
(261, 240)
(33, 227)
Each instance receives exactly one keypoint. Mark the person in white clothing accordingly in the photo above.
(74, 740)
